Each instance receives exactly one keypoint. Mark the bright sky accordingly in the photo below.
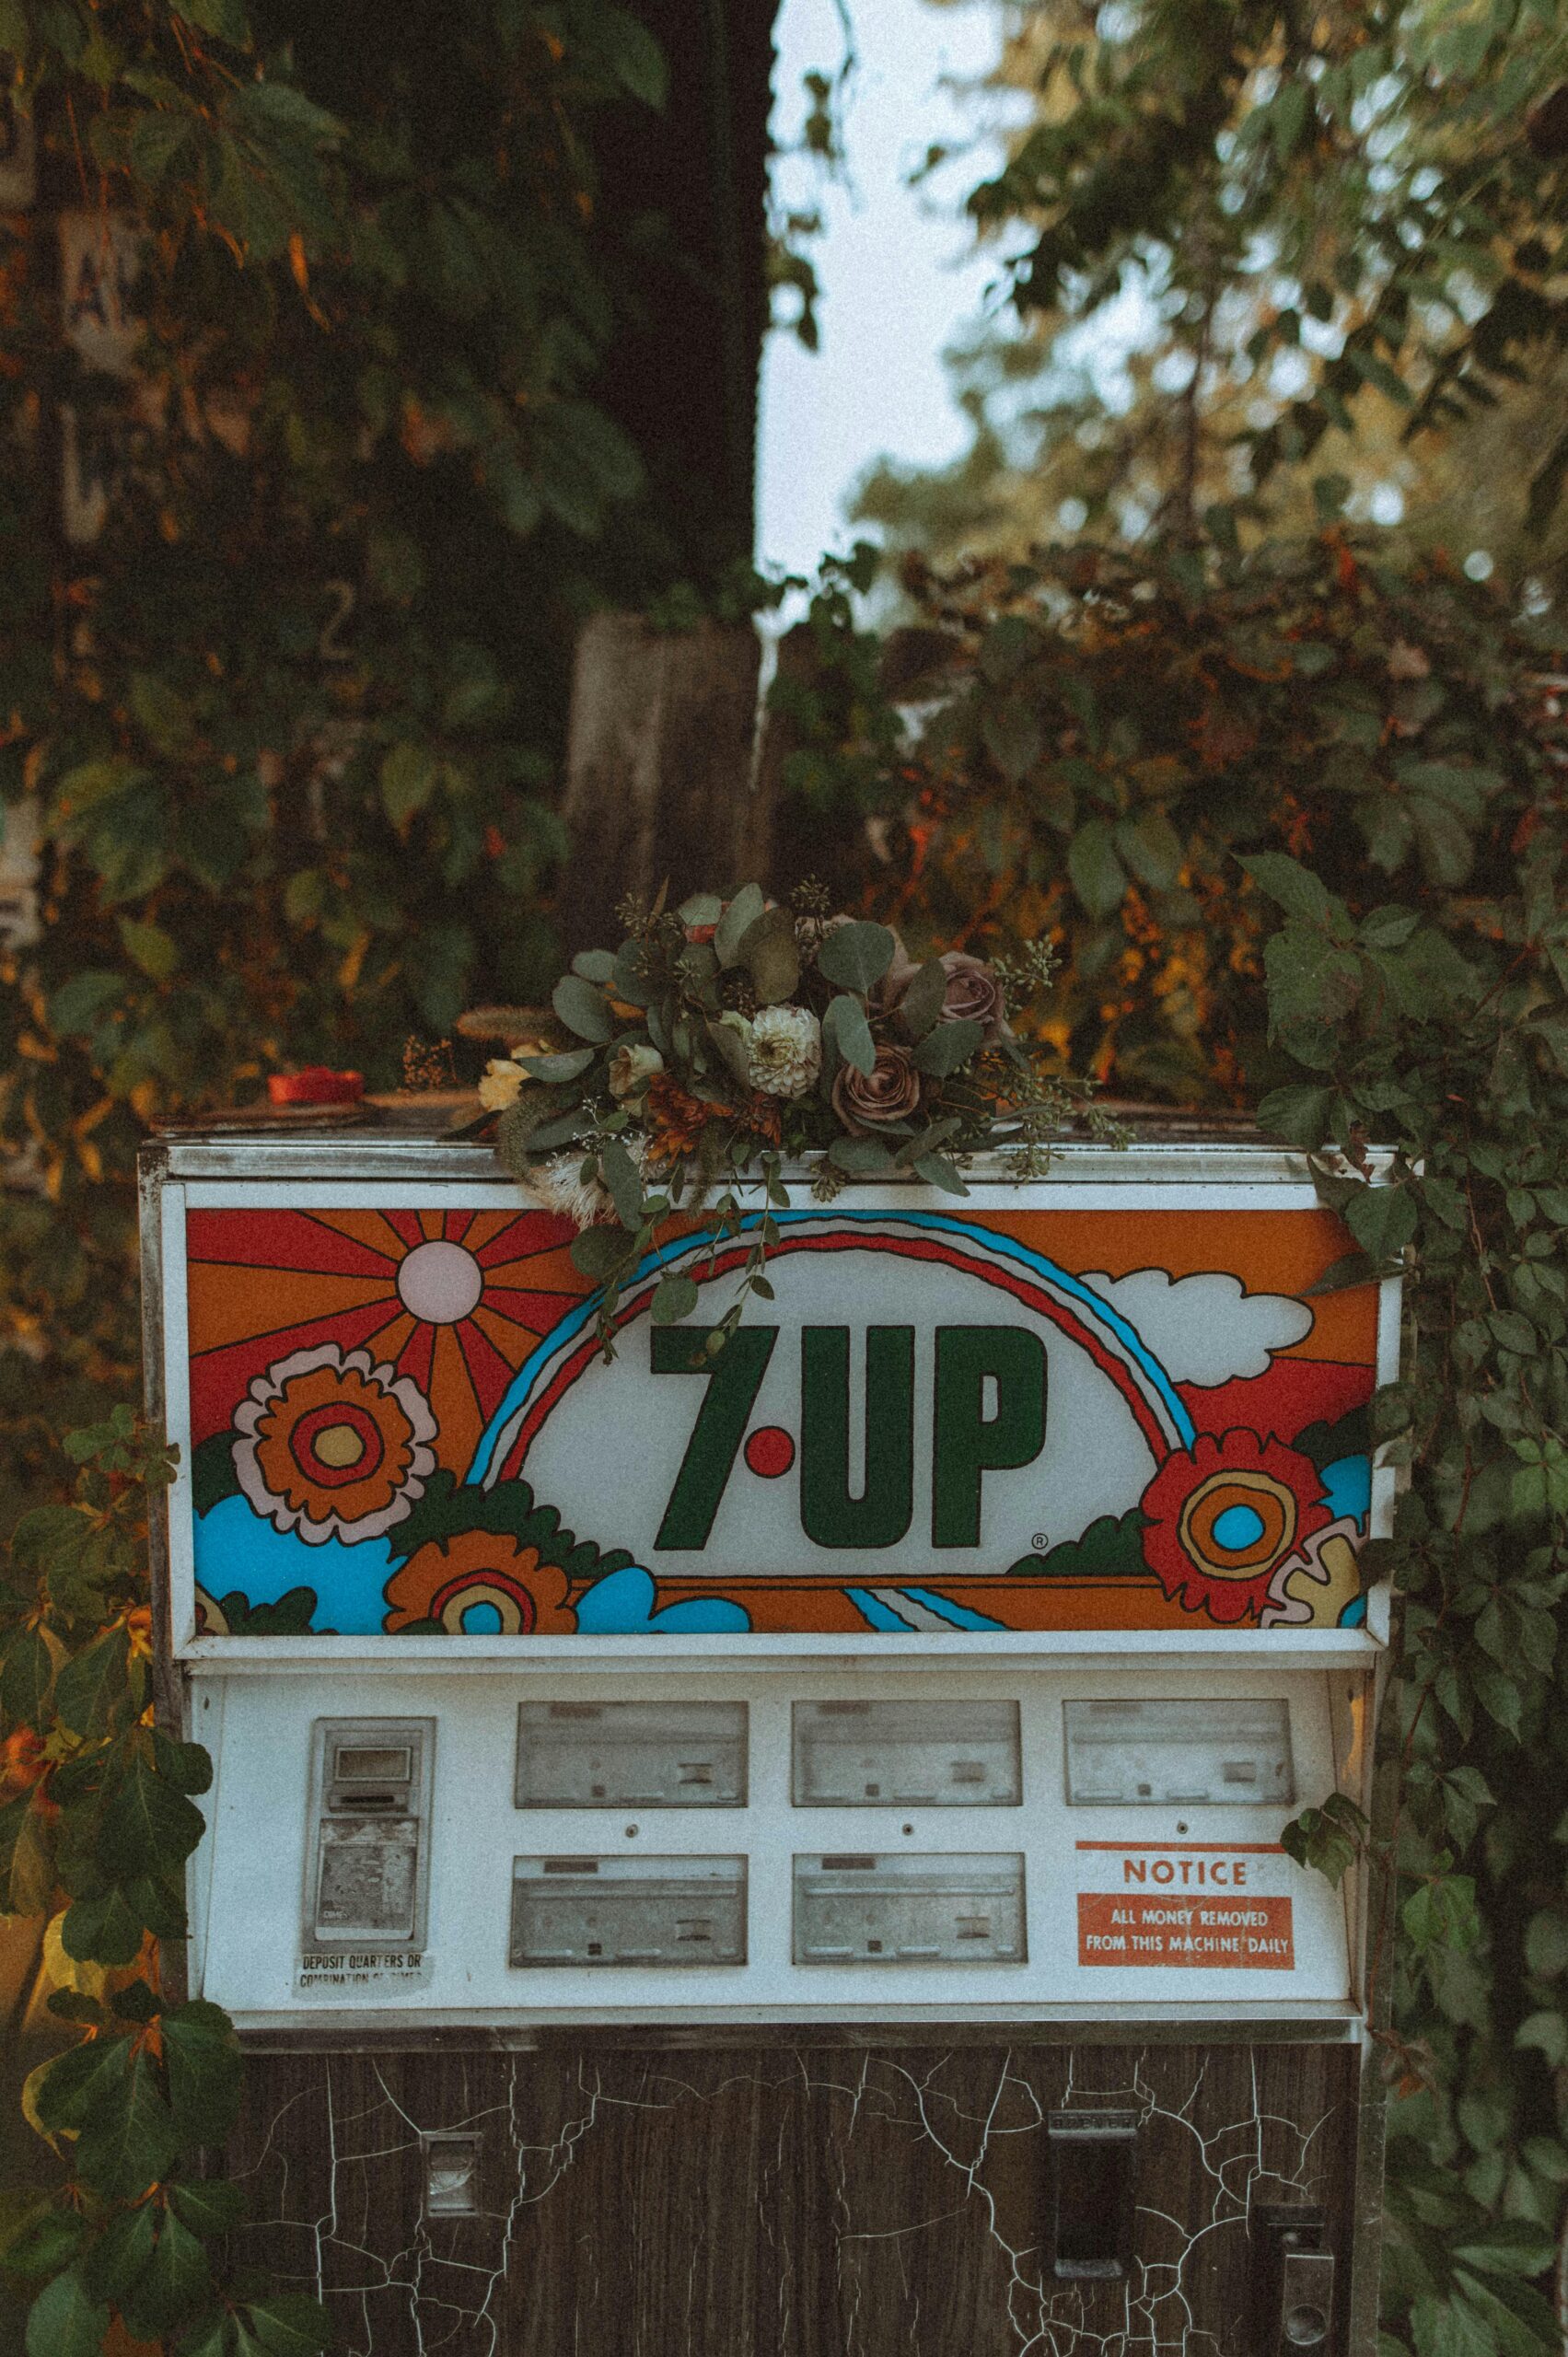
(897, 265)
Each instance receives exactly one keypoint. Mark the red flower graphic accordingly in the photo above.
(1219, 1516)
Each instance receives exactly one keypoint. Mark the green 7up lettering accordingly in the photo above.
(988, 1415)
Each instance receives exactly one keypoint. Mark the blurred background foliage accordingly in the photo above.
(1234, 667)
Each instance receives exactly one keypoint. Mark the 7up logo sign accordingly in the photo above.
(925, 1396)
(988, 1414)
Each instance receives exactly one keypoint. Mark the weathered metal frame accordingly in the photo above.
(1195, 1157)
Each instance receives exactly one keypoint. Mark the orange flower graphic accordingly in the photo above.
(334, 1448)
(506, 1588)
(1219, 1518)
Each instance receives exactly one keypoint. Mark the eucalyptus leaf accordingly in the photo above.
(728, 1044)
(845, 1026)
(937, 1171)
(565, 1066)
(625, 1181)
(594, 965)
(602, 1252)
(771, 956)
(951, 1045)
(921, 1003)
(856, 955)
(735, 922)
(861, 1157)
(674, 1298)
(581, 1009)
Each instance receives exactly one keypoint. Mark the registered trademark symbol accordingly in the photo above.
(1039, 1542)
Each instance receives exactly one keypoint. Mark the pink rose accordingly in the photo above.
(890, 1092)
(974, 995)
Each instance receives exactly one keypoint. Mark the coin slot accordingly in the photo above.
(367, 1862)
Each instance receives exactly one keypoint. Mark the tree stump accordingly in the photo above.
(659, 766)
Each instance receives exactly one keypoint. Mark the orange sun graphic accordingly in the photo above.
(454, 1301)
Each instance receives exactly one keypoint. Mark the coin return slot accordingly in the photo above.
(451, 2174)
(858, 1908)
(1179, 1752)
(631, 1755)
(933, 1754)
(608, 1912)
(1091, 2172)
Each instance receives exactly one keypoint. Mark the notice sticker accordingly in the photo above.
(1203, 1906)
(1225, 1935)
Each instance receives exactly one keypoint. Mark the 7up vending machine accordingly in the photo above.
(874, 1740)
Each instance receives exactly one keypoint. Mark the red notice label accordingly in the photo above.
(1222, 1934)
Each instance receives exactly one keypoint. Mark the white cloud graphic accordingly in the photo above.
(1204, 1329)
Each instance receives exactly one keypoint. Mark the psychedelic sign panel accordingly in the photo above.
(1011, 1411)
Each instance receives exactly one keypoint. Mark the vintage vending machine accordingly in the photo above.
(779, 1855)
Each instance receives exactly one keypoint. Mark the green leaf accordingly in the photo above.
(147, 1826)
(178, 2281)
(861, 1157)
(1509, 2246)
(126, 2146)
(768, 953)
(46, 2242)
(1382, 1219)
(1094, 868)
(1296, 889)
(1299, 1114)
(602, 1252)
(207, 2205)
(856, 955)
(104, 1929)
(85, 2080)
(921, 1005)
(26, 1678)
(1151, 848)
(633, 55)
(202, 2055)
(121, 2254)
(625, 1181)
(148, 946)
(570, 1065)
(225, 19)
(674, 1298)
(408, 781)
(581, 1009)
(728, 1041)
(187, 1766)
(93, 1682)
(65, 2320)
(937, 1171)
(290, 2325)
(79, 1002)
(950, 1046)
(845, 1028)
(737, 923)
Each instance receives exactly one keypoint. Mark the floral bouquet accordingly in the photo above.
(726, 1035)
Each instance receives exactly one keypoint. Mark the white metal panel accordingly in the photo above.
(1160, 1860)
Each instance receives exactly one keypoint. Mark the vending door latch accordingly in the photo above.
(1293, 2279)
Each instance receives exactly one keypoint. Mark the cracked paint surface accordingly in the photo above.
(780, 2201)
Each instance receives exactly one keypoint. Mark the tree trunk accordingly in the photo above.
(658, 766)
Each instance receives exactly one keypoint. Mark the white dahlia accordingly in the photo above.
(784, 1050)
